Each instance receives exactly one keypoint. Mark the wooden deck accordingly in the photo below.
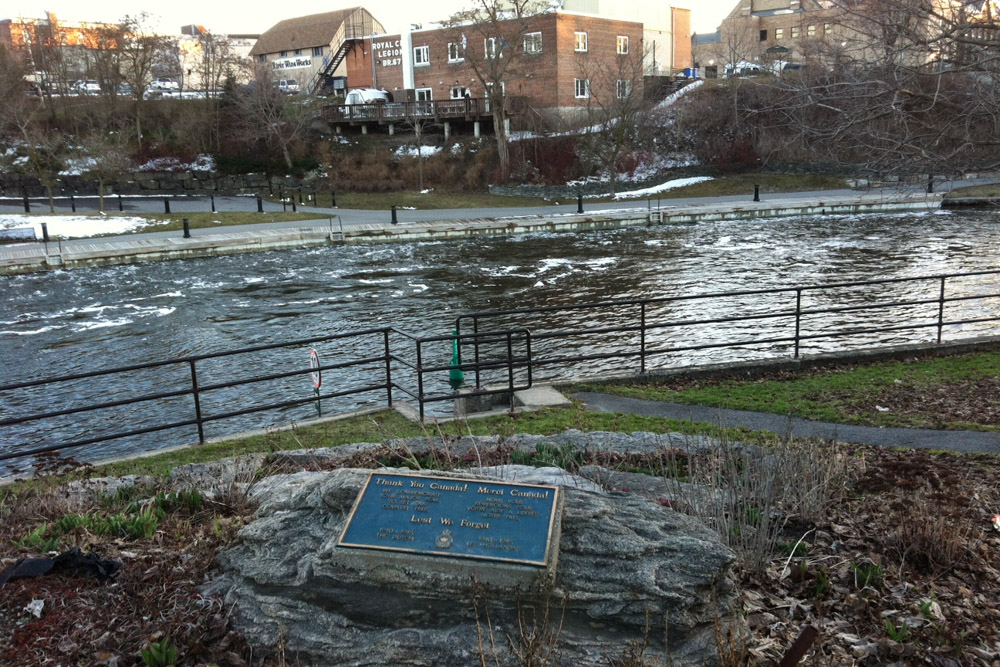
(383, 113)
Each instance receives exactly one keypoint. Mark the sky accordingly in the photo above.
(256, 16)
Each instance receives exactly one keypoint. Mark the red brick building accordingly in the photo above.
(562, 61)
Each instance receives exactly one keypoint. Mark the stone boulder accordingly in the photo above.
(626, 568)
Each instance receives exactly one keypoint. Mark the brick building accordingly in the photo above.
(562, 58)
(57, 51)
(311, 49)
(764, 31)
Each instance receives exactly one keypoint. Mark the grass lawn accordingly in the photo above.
(990, 190)
(380, 426)
(958, 392)
(727, 185)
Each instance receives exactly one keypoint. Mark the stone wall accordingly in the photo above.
(155, 182)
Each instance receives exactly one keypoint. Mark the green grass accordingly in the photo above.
(387, 424)
(846, 396)
(433, 200)
(990, 190)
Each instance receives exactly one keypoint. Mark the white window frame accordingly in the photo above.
(580, 42)
(581, 88)
(795, 32)
(423, 94)
(534, 39)
(623, 88)
(456, 53)
(811, 31)
(460, 90)
(779, 34)
(621, 45)
(492, 48)
(317, 51)
(421, 56)
(503, 87)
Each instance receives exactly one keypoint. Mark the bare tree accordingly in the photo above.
(490, 36)
(616, 112)
(140, 51)
(109, 158)
(265, 113)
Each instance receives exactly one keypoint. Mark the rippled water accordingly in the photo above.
(66, 322)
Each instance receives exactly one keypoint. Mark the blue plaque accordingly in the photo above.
(450, 516)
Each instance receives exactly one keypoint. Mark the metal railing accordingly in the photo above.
(387, 112)
(385, 362)
(790, 320)
(381, 359)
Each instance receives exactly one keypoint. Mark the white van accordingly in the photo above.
(288, 86)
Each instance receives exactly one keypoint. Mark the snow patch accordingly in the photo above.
(76, 226)
(669, 185)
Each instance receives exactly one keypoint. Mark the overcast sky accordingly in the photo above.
(256, 16)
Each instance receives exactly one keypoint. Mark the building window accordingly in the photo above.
(795, 32)
(503, 88)
(622, 45)
(533, 42)
(763, 35)
(827, 28)
(581, 42)
(317, 50)
(283, 54)
(298, 52)
(424, 94)
(491, 48)
(779, 33)
(623, 88)
(262, 58)
(456, 53)
(582, 87)
(458, 92)
(421, 55)
(811, 31)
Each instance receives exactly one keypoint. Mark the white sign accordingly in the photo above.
(292, 63)
(387, 53)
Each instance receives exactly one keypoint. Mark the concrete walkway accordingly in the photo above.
(967, 442)
(349, 226)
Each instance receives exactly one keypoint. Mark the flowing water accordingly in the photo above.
(66, 322)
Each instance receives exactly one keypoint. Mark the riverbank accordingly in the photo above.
(337, 229)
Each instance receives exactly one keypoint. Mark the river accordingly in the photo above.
(67, 322)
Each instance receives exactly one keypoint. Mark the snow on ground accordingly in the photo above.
(75, 226)
(411, 151)
(77, 166)
(202, 163)
(673, 97)
(669, 185)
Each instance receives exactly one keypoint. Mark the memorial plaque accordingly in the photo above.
(450, 516)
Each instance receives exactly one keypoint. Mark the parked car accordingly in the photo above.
(288, 86)
(86, 87)
(164, 84)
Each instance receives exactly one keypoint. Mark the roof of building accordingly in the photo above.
(707, 38)
(303, 31)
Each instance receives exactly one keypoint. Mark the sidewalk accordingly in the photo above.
(349, 226)
(968, 442)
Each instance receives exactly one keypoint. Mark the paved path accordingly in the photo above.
(959, 441)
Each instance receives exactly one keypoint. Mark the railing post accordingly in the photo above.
(510, 370)
(197, 403)
(798, 318)
(420, 381)
(642, 337)
(940, 322)
(475, 347)
(388, 368)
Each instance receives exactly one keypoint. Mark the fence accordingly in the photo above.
(502, 352)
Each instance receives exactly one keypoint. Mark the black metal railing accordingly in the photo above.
(386, 112)
(507, 348)
(792, 325)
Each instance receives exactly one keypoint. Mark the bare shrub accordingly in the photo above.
(920, 535)
(759, 488)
